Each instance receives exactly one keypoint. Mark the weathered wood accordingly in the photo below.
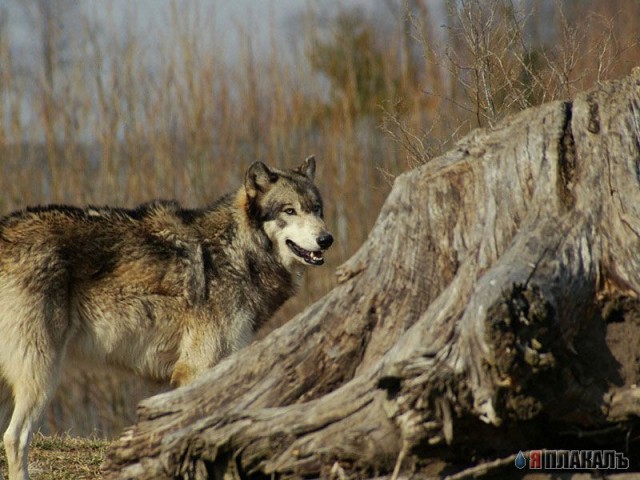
(497, 295)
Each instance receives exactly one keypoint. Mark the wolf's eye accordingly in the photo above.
(290, 211)
(317, 208)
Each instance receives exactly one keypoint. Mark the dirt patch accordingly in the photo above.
(622, 316)
(525, 349)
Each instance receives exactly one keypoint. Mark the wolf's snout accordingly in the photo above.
(325, 241)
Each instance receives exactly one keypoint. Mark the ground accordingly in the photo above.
(63, 457)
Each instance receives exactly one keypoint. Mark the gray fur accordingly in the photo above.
(160, 290)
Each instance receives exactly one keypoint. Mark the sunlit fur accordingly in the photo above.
(159, 290)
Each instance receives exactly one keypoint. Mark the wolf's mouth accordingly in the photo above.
(312, 258)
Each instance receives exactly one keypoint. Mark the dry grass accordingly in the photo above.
(62, 457)
(125, 119)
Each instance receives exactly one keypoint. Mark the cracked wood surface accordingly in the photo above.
(496, 297)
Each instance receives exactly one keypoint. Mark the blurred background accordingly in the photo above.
(118, 102)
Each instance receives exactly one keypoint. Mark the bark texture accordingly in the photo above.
(495, 298)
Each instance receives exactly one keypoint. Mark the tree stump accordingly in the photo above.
(494, 308)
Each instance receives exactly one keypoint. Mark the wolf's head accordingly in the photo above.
(288, 207)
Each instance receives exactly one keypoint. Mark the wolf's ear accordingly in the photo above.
(308, 168)
(258, 179)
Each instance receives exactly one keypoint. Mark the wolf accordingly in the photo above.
(160, 290)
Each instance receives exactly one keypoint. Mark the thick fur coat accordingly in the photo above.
(160, 290)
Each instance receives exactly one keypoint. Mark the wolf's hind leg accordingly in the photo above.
(38, 330)
(6, 407)
(31, 397)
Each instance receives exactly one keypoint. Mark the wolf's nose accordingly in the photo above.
(324, 241)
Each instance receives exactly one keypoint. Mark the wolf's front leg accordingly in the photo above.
(200, 350)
